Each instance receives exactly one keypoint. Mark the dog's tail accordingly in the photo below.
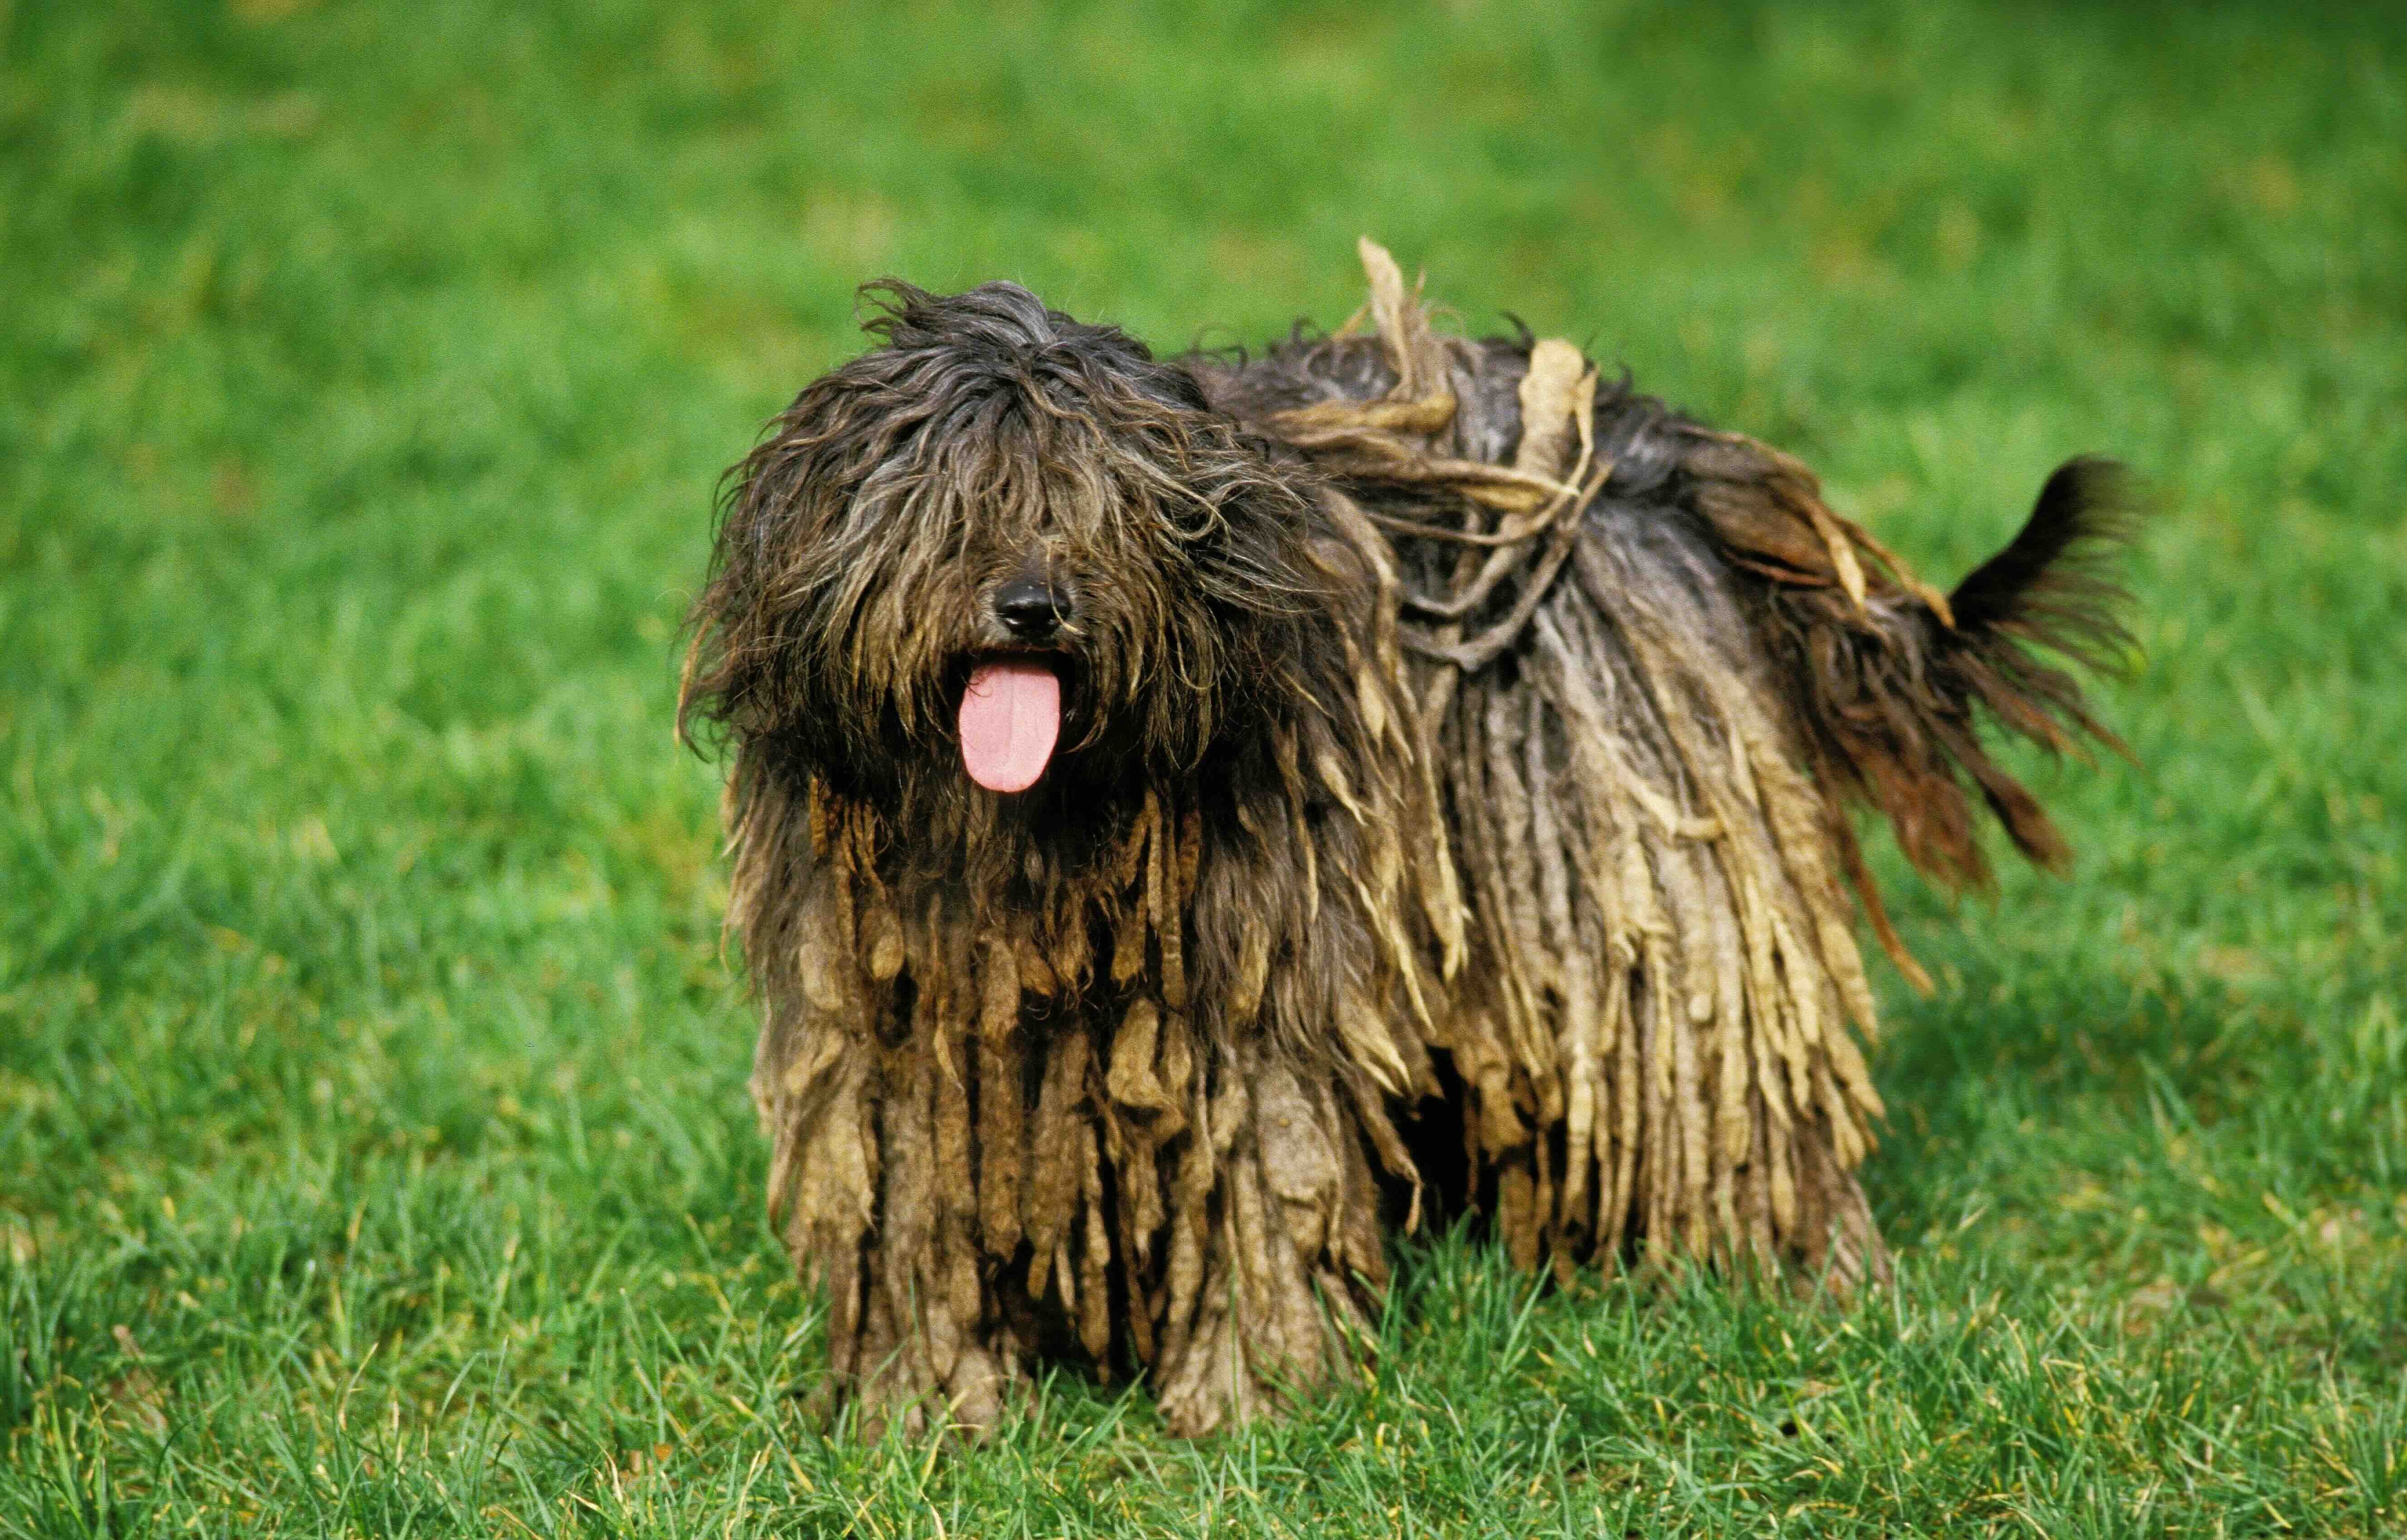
(1886, 674)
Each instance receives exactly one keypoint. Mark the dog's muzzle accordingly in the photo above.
(1011, 708)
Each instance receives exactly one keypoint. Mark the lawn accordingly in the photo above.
(374, 1151)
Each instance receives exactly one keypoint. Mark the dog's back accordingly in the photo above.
(1655, 673)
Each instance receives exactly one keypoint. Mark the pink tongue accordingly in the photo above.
(1010, 716)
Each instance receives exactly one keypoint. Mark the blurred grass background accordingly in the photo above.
(374, 1155)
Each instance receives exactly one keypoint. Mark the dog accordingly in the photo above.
(1185, 811)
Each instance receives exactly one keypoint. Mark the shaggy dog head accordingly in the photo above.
(1006, 569)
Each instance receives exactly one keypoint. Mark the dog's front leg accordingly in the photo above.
(871, 1176)
(1275, 1259)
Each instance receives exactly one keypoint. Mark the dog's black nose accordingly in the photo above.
(1031, 610)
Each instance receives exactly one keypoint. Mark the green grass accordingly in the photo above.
(374, 1154)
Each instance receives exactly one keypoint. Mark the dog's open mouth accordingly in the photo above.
(1011, 717)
